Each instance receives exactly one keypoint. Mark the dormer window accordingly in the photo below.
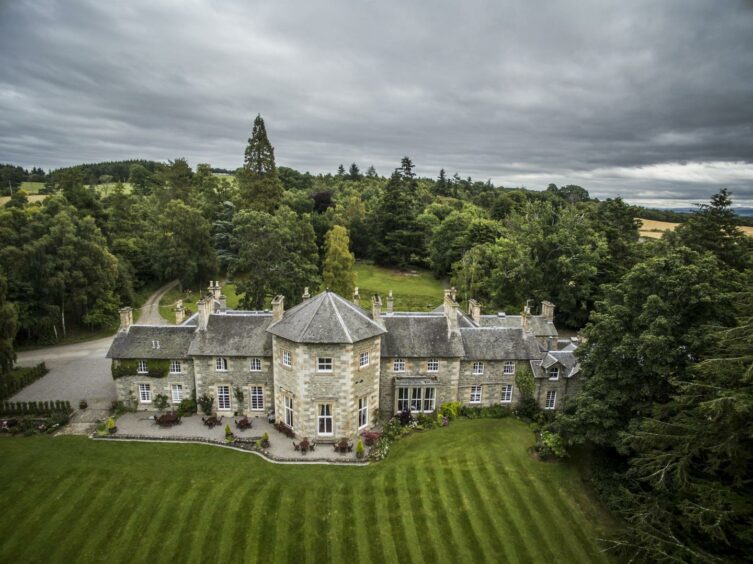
(554, 373)
(220, 364)
(155, 344)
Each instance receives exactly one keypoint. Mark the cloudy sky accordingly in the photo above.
(649, 100)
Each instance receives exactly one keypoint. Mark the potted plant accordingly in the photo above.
(111, 426)
(264, 440)
(228, 434)
(360, 450)
(82, 404)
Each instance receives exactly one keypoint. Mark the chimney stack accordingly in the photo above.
(126, 318)
(376, 309)
(278, 307)
(214, 289)
(451, 312)
(525, 316)
(453, 293)
(306, 295)
(180, 312)
(474, 309)
(205, 308)
(390, 304)
(356, 297)
(223, 303)
(547, 310)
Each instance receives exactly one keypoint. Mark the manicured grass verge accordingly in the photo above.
(414, 289)
(468, 493)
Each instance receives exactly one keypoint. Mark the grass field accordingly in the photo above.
(414, 290)
(655, 229)
(468, 493)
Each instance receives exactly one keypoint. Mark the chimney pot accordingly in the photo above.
(306, 294)
(205, 308)
(180, 312)
(474, 308)
(390, 304)
(356, 297)
(376, 309)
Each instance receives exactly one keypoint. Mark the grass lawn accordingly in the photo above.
(414, 290)
(469, 493)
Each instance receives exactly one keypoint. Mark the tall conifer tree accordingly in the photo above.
(338, 272)
(258, 184)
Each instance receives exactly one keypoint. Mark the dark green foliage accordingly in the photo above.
(485, 412)
(35, 407)
(157, 368)
(527, 406)
(258, 184)
(8, 328)
(187, 407)
(205, 403)
(18, 378)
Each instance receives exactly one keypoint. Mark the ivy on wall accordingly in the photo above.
(158, 368)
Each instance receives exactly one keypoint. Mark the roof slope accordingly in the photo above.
(419, 335)
(326, 318)
(139, 342)
(234, 334)
(497, 343)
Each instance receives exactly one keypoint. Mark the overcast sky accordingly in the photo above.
(649, 100)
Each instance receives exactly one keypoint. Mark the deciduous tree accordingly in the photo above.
(338, 273)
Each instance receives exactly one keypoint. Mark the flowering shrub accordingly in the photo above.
(550, 445)
(370, 437)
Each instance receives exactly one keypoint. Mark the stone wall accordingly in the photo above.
(446, 379)
(491, 382)
(127, 387)
(341, 388)
(238, 375)
(565, 387)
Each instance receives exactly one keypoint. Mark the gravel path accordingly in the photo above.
(81, 371)
(150, 314)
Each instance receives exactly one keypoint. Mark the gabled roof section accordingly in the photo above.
(235, 333)
(498, 343)
(419, 335)
(140, 341)
(326, 318)
(563, 358)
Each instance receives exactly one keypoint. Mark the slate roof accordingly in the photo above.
(539, 325)
(419, 335)
(234, 334)
(137, 342)
(496, 343)
(565, 358)
(326, 318)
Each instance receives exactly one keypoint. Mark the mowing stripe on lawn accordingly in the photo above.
(466, 515)
(105, 522)
(278, 522)
(266, 531)
(398, 519)
(184, 512)
(298, 513)
(203, 547)
(256, 530)
(495, 529)
(235, 530)
(419, 513)
(439, 512)
(527, 551)
(369, 544)
(343, 508)
(380, 532)
(323, 534)
(413, 518)
(159, 520)
(534, 489)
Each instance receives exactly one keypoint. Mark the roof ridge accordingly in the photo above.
(356, 308)
(340, 318)
(311, 318)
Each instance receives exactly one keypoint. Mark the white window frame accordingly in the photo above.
(403, 399)
(432, 365)
(363, 412)
(176, 367)
(506, 393)
(509, 367)
(324, 364)
(475, 394)
(256, 398)
(478, 368)
(287, 358)
(363, 359)
(176, 398)
(325, 416)
(145, 393)
(429, 399)
(289, 412)
(551, 400)
(398, 365)
(223, 395)
(255, 364)
(220, 364)
(142, 367)
(553, 372)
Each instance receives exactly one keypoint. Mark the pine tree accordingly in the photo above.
(371, 172)
(354, 173)
(340, 171)
(8, 327)
(338, 272)
(258, 185)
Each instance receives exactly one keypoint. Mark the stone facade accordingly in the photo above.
(127, 387)
(237, 373)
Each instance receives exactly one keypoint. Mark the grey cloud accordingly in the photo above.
(522, 93)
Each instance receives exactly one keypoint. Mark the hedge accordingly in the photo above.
(157, 368)
(35, 407)
(19, 378)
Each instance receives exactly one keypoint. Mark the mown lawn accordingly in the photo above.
(414, 289)
(468, 493)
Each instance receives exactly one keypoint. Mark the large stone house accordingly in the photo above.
(328, 368)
